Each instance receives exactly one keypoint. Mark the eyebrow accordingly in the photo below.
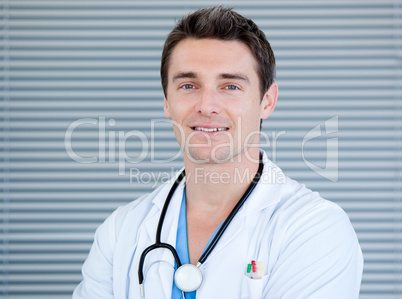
(192, 75)
(184, 75)
(235, 77)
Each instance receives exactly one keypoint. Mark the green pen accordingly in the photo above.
(248, 270)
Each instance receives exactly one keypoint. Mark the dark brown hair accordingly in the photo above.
(224, 24)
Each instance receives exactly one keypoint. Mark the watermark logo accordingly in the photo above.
(330, 171)
(271, 175)
(112, 146)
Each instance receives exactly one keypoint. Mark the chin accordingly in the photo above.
(208, 156)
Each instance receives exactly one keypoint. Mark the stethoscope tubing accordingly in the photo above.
(158, 243)
(208, 250)
(232, 214)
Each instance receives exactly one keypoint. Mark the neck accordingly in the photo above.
(217, 188)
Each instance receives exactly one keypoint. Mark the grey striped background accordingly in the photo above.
(64, 61)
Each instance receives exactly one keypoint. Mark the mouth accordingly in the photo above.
(210, 130)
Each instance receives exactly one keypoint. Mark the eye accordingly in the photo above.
(231, 87)
(187, 86)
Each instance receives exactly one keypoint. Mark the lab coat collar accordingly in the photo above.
(266, 193)
(271, 178)
(160, 199)
(269, 188)
(151, 223)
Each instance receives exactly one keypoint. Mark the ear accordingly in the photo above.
(269, 101)
(166, 107)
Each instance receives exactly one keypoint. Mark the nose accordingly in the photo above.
(208, 103)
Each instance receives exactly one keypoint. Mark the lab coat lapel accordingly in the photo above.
(168, 235)
(151, 223)
(230, 233)
(268, 190)
(265, 194)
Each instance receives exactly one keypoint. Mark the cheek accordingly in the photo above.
(250, 120)
(248, 110)
(175, 113)
(179, 110)
(178, 116)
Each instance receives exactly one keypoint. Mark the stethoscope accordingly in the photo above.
(188, 277)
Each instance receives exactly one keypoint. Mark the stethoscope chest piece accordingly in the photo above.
(188, 278)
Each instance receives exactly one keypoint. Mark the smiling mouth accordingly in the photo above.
(209, 130)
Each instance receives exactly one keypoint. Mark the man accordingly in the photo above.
(249, 237)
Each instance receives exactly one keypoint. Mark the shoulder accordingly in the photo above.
(310, 226)
(302, 215)
(303, 206)
(313, 248)
(138, 208)
(131, 215)
(297, 204)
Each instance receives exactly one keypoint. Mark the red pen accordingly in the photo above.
(254, 265)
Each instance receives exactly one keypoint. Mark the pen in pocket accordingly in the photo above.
(255, 270)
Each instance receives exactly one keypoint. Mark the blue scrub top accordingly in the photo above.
(182, 247)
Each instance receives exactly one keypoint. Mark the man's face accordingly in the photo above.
(214, 100)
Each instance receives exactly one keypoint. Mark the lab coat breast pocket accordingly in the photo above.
(253, 288)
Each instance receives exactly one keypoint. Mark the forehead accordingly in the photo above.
(210, 56)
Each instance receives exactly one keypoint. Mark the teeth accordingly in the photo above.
(209, 129)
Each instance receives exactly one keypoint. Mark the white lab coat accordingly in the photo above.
(307, 244)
